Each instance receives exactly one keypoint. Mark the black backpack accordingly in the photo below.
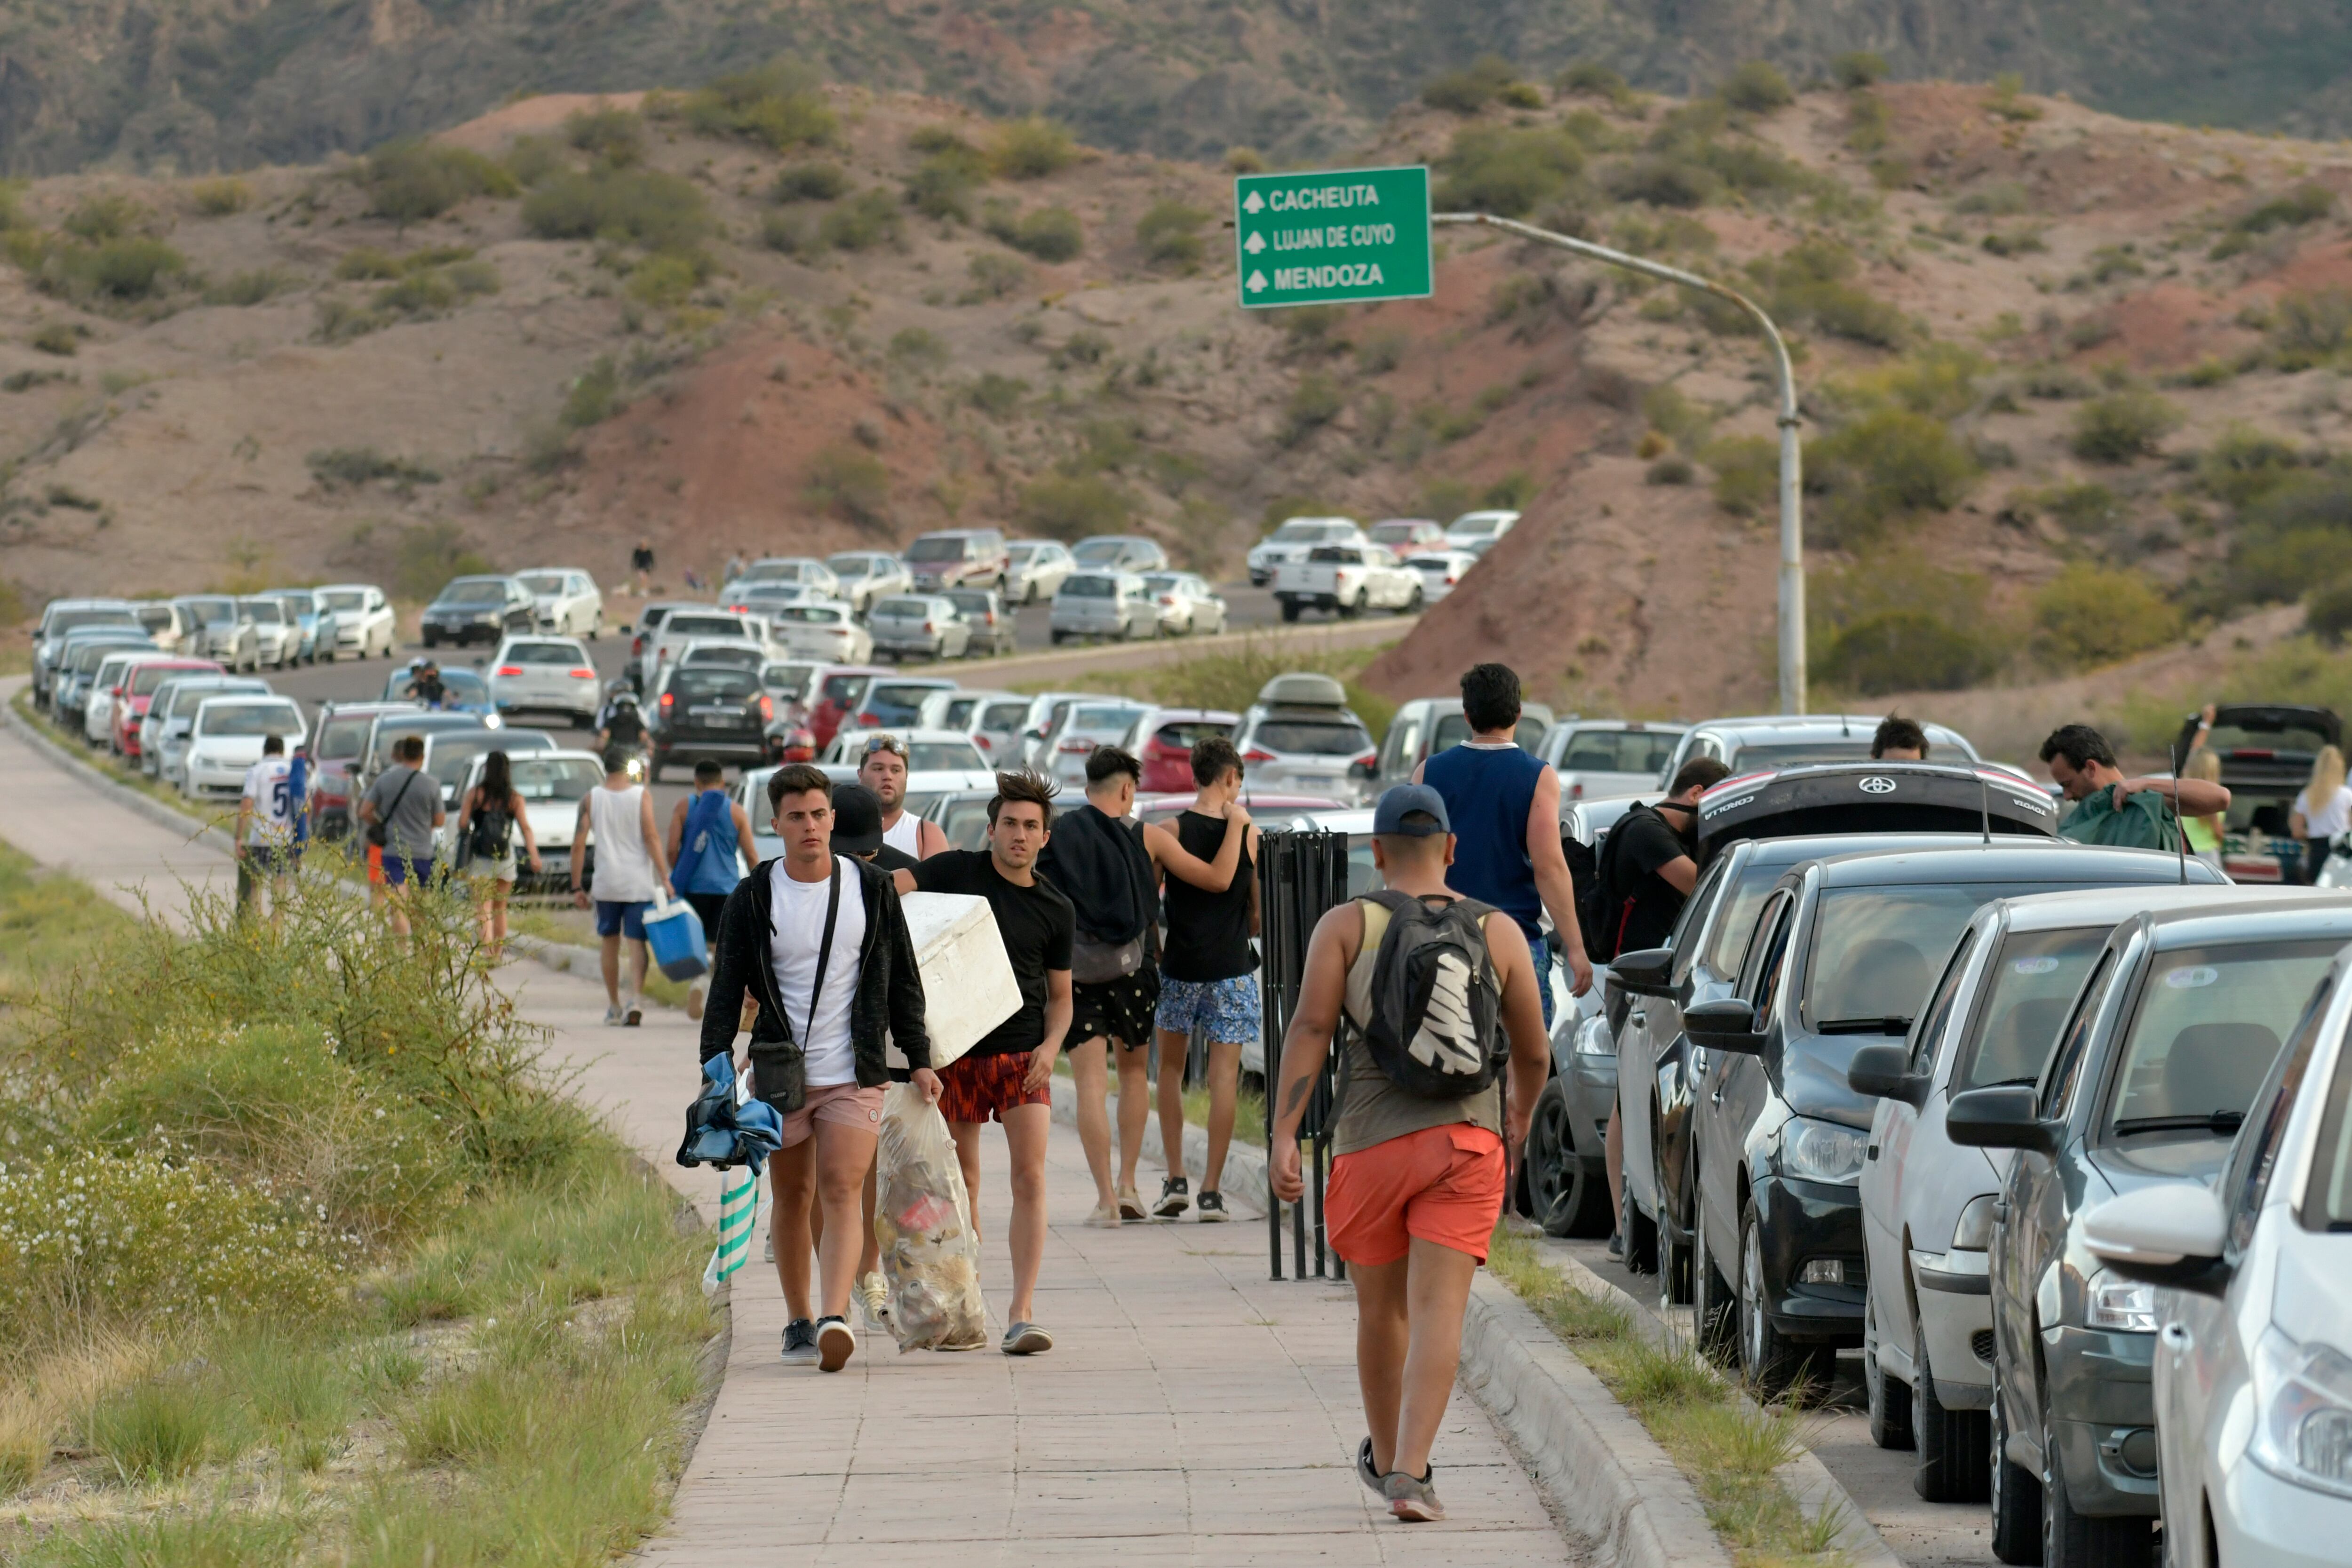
(1605, 925)
(1435, 1028)
(1584, 873)
(488, 831)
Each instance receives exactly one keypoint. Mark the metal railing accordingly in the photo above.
(1302, 873)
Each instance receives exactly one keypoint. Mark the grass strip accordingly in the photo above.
(114, 767)
(1731, 1451)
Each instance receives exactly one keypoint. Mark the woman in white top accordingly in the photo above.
(630, 866)
(2322, 812)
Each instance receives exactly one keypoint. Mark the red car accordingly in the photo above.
(840, 688)
(132, 697)
(1163, 741)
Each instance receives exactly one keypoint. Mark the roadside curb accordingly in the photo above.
(1244, 1177)
(1808, 1479)
(197, 830)
(1607, 1476)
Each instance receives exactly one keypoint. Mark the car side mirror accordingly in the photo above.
(1726, 1026)
(2165, 1234)
(1645, 973)
(1363, 771)
(2001, 1117)
(1884, 1071)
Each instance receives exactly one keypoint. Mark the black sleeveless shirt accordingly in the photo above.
(1208, 933)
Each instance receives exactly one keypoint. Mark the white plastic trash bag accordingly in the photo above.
(928, 1253)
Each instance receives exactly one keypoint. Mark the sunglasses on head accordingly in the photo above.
(889, 743)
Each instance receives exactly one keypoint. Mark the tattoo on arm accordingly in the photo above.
(1297, 1095)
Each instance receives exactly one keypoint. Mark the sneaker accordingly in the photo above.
(1616, 1244)
(1175, 1197)
(636, 1013)
(1412, 1500)
(835, 1344)
(694, 1001)
(800, 1343)
(1364, 1470)
(613, 1015)
(768, 1249)
(1210, 1209)
(1106, 1216)
(1027, 1339)
(873, 1300)
(1131, 1205)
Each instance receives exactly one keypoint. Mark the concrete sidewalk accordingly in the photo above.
(1192, 1411)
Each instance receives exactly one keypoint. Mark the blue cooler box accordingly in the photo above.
(673, 932)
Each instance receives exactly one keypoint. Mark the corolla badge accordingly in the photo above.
(1877, 783)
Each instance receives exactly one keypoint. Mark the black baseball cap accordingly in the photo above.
(856, 819)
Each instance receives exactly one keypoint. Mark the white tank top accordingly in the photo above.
(906, 834)
(624, 869)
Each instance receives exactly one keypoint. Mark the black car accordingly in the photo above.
(1873, 796)
(480, 609)
(992, 628)
(1843, 953)
(710, 711)
(2161, 1054)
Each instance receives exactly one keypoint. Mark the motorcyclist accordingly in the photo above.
(621, 723)
(425, 685)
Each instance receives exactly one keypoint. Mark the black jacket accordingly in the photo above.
(890, 1000)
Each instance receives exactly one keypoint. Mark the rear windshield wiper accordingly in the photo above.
(2212, 1122)
(1887, 1025)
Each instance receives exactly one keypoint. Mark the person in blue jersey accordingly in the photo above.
(1503, 804)
(709, 845)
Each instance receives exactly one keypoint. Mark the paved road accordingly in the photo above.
(1193, 1412)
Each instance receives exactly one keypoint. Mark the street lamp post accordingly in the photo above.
(1793, 519)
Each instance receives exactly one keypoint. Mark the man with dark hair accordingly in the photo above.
(407, 805)
(710, 835)
(1109, 866)
(1418, 1182)
(1899, 740)
(272, 811)
(1008, 1076)
(883, 770)
(820, 942)
(630, 867)
(2129, 813)
(1503, 804)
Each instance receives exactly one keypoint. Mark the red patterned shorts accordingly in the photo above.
(981, 1089)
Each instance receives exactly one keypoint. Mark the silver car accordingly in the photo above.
(449, 753)
(59, 617)
(1119, 552)
(993, 720)
(1187, 603)
(1104, 605)
(920, 626)
(1316, 746)
(224, 632)
(1038, 569)
(545, 675)
(277, 636)
(803, 569)
(865, 575)
(165, 725)
(1079, 728)
(313, 618)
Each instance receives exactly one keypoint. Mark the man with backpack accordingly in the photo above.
(1428, 987)
(708, 831)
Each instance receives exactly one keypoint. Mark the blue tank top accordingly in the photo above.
(708, 845)
(1487, 794)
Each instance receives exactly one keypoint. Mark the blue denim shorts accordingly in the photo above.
(1226, 1010)
(622, 918)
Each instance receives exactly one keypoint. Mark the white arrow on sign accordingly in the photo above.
(1256, 203)
(1254, 243)
(1257, 283)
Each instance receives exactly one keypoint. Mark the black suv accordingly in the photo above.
(2173, 1032)
(710, 711)
(1844, 953)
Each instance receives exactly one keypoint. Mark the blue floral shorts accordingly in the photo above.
(1226, 1010)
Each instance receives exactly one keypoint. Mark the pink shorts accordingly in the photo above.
(1442, 1184)
(844, 1103)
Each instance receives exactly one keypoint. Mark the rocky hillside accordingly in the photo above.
(2072, 383)
(200, 84)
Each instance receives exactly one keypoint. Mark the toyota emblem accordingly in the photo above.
(1878, 784)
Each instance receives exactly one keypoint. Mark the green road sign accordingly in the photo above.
(1335, 236)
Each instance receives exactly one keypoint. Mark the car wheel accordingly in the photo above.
(1562, 1196)
(1352, 608)
(1954, 1445)
(1058, 638)
(1289, 609)
(1412, 606)
(2072, 1539)
(1768, 1360)
(1713, 1315)
(1674, 1252)
(1889, 1401)
(2016, 1497)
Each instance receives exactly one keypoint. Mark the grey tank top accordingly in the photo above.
(1371, 1108)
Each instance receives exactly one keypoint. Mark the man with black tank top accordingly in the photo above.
(1208, 977)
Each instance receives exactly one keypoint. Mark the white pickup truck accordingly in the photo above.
(1348, 578)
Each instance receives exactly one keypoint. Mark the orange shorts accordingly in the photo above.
(1442, 1184)
(376, 864)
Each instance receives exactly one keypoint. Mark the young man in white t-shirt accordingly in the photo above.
(883, 770)
(272, 813)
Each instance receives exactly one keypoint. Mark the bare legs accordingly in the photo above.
(830, 1165)
(1092, 1077)
(1026, 1127)
(1408, 1346)
(612, 965)
(1224, 1092)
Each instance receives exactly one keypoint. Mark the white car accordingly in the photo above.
(1044, 712)
(168, 621)
(828, 633)
(865, 575)
(552, 784)
(569, 603)
(2253, 1349)
(1187, 603)
(1927, 1203)
(992, 719)
(449, 753)
(766, 598)
(163, 732)
(98, 708)
(680, 627)
(1598, 757)
(59, 617)
(224, 631)
(1294, 539)
(277, 636)
(224, 739)
(786, 569)
(1439, 570)
(1077, 730)
(1479, 528)
(365, 626)
(1038, 570)
(1300, 738)
(545, 675)
(1104, 605)
(1346, 579)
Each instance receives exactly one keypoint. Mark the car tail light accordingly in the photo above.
(584, 674)
(668, 698)
(508, 669)
(2254, 754)
(870, 720)
(1168, 599)
(1254, 755)
(928, 628)
(1366, 761)
(767, 708)
(983, 742)
(1075, 748)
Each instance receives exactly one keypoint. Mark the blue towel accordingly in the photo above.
(721, 1133)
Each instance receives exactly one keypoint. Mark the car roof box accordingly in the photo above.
(1870, 797)
(1302, 689)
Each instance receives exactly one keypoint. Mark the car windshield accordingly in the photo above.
(841, 690)
(542, 582)
(1100, 552)
(347, 600)
(340, 740)
(1004, 716)
(484, 591)
(1091, 587)
(1474, 527)
(965, 823)
(153, 618)
(2208, 1024)
(247, 719)
(213, 609)
(706, 626)
(909, 609)
(265, 611)
(1797, 754)
(1312, 737)
(1339, 554)
(1023, 553)
(1877, 950)
(792, 678)
(298, 604)
(897, 702)
(1452, 729)
(555, 778)
(2026, 995)
(147, 677)
(700, 683)
(1190, 732)
(971, 601)
(562, 653)
(846, 567)
(392, 731)
(1727, 948)
(812, 615)
(2227, 738)
(1617, 750)
(940, 756)
(449, 755)
(186, 700)
(1298, 531)
(1103, 721)
(91, 655)
(729, 657)
(65, 621)
(770, 572)
(1162, 582)
(936, 549)
(1397, 532)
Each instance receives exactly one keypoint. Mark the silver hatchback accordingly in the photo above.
(1104, 605)
(917, 626)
